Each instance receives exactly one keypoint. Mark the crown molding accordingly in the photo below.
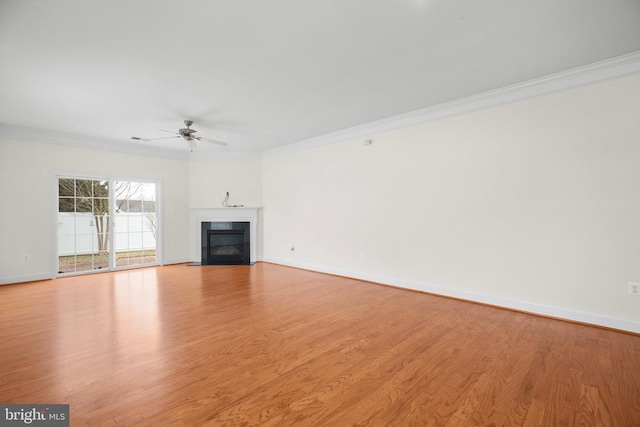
(593, 73)
(87, 142)
(72, 140)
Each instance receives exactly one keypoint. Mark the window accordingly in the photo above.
(92, 211)
(136, 223)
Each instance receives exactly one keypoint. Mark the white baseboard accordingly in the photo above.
(175, 261)
(544, 310)
(25, 278)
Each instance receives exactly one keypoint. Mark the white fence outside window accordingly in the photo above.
(77, 233)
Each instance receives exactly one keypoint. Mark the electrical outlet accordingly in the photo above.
(633, 288)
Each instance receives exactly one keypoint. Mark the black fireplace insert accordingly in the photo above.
(226, 243)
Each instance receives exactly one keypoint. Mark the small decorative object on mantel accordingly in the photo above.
(226, 204)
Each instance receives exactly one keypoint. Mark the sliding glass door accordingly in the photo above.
(135, 223)
(83, 225)
(105, 224)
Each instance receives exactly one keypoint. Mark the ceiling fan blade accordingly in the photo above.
(137, 138)
(224, 144)
(187, 134)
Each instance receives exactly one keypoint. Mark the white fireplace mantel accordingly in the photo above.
(240, 214)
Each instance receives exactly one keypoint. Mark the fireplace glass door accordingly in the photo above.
(225, 243)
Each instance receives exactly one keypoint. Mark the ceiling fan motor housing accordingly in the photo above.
(187, 132)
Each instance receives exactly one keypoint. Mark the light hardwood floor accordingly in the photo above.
(270, 345)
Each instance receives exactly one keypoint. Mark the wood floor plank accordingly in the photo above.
(271, 345)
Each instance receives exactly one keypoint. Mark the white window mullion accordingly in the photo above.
(112, 225)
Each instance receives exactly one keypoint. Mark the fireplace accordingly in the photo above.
(226, 243)
(200, 215)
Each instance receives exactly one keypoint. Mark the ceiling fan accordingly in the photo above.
(187, 134)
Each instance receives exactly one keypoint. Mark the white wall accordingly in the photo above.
(533, 205)
(27, 177)
(209, 181)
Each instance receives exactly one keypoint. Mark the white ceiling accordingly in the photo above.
(263, 74)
